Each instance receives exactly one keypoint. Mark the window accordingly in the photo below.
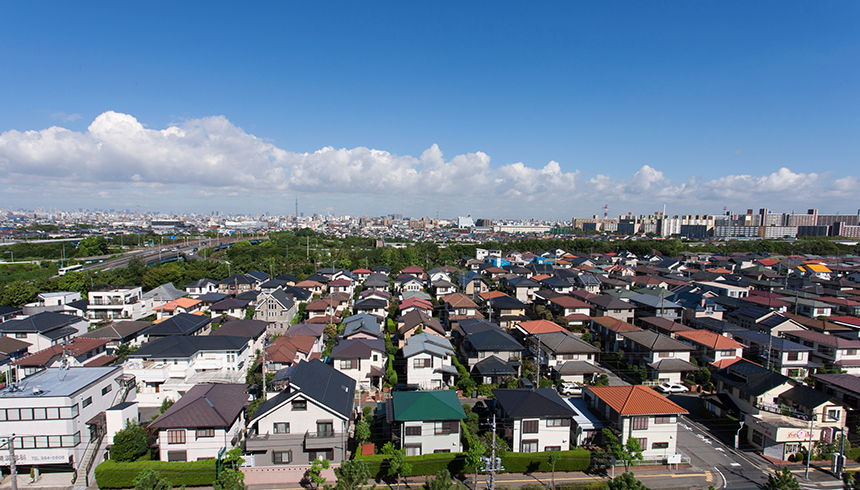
(87, 402)
(375, 357)
(757, 438)
(558, 422)
(552, 448)
(324, 454)
(643, 442)
(793, 356)
(325, 428)
(851, 352)
(282, 457)
(176, 437)
(422, 363)
(640, 423)
(834, 414)
(447, 427)
(437, 451)
(177, 456)
(412, 450)
(20, 336)
(530, 426)
(666, 354)
(106, 390)
(659, 445)
(201, 433)
(300, 405)
(281, 428)
(664, 420)
(530, 446)
(349, 364)
(414, 430)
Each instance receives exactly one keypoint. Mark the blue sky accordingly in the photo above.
(490, 109)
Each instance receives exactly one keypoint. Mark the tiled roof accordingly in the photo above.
(710, 339)
(74, 348)
(569, 302)
(614, 324)
(635, 400)
(215, 405)
(427, 405)
(541, 326)
(542, 402)
(459, 300)
(178, 303)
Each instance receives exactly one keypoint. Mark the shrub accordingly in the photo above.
(853, 454)
(112, 474)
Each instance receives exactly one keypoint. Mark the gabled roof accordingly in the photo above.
(249, 329)
(459, 300)
(181, 324)
(657, 342)
(710, 339)
(427, 342)
(357, 348)
(178, 303)
(610, 303)
(494, 366)
(426, 405)
(181, 346)
(418, 317)
(614, 324)
(564, 342)
(200, 283)
(362, 322)
(285, 348)
(540, 326)
(165, 292)
(9, 345)
(75, 347)
(635, 400)
(569, 302)
(215, 405)
(320, 382)
(117, 331)
(524, 403)
(310, 329)
(750, 377)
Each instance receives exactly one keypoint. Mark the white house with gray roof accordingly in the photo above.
(428, 361)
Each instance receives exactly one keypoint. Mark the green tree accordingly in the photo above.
(442, 481)
(362, 431)
(625, 481)
(553, 459)
(249, 313)
(315, 472)
(352, 474)
(473, 456)
(628, 452)
(851, 480)
(398, 467)
(229, 479)
(149, 479)
(782, 480)
(167, 403)
(129, 443)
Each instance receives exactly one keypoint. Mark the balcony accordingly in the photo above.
(322, 439)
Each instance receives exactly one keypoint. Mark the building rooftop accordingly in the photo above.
(58, 382)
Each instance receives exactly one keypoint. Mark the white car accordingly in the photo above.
(570, 389)
(672, 388)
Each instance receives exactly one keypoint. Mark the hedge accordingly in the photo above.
(112, 474)
(455, 463)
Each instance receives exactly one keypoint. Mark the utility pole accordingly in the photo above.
(492, 464)
(809, 452)
(13, 470)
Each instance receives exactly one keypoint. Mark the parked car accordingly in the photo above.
(570, 389)
(672, 388)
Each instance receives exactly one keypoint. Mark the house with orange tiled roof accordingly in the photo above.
(458, 306)
(711, 347)
(536, 327)
(181, 305)
(639, 412)
(288, 350)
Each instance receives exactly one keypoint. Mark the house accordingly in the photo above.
(415, 303)
(327, 310)
(124, 332)
(492, 342)
(341, 286)
(116, 303)
(829, 350)
(361, 274)
(609, 330)
(232, 307)
(508, 311)
(788, 358)
(43, 330)
(534, 419)
(372, 306)
(425, 422)
(362, 326)
(277, 309)
(557, 284)
(724, 289)
(306, 421)
(181, 324)
(844, 388)
(436, 274)
(662, 325)
(809, 307)
(602, 305)
(207, 419)
(568, 305)
(639, 412)
(254, 330)
(408, 325)
(697, 306)
(458, 306)
(236, 284)
(650, 305)
(523, 288)
(287, 350)
(442, 287)
(162, 295)
(429, 364)
(200, 287)
(169, 366)
(562, 349)
(59, 413)
(8, 313)
(665, 359)
(75, 352)
(315, 330)
(60, 302)
(361, 359)
(209, 299)
(472, 283)
(711, 348)
(378, 282)
(408, 283)
(181, 305)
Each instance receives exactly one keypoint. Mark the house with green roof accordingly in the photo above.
(425, 422)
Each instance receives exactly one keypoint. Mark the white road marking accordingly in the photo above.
(721, 449)
(738, 464)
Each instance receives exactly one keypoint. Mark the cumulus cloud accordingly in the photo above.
(202, 159)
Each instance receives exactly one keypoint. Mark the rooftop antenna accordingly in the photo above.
(605, 211)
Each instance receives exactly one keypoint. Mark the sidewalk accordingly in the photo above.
(46, 480)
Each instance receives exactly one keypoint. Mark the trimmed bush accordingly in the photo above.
(430, 464)
(112, 474)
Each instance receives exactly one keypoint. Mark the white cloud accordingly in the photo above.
(62, 116)
(198, 160)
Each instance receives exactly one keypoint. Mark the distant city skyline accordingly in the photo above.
(545, 112)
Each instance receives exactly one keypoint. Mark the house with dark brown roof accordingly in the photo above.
(208, 418)
(408, 324)
(363, 360)
(77, 352)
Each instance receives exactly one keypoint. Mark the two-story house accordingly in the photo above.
(534, 419)
(200, 287)
(789, 358)
(410, 323)
(609, 330)
(567, 356)
(458, 306)
(308, 420)
(205, 420)
(116, 303)
(666, 360)
(429, 362)
(711, 348)
(425, 422)
(361, 359)
(607, 306)
(831, 351)
(277, 309)
(181, 324)
(639, 412)
(236, 284)
(45, 329)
